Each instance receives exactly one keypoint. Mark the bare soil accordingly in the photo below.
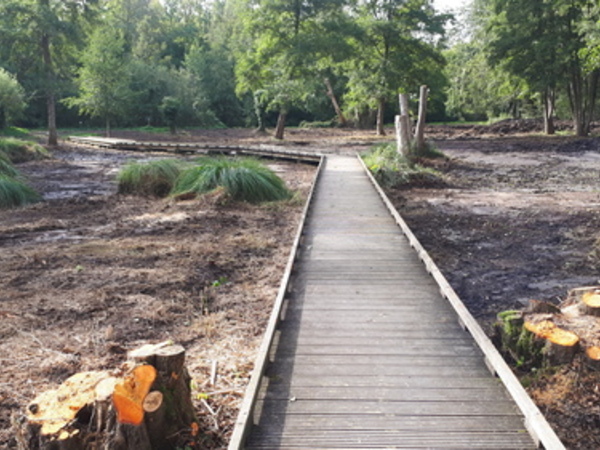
(90, 274)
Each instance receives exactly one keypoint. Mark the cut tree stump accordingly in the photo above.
(561, 345)
(147, 408)
(593, 357)
(590, 303)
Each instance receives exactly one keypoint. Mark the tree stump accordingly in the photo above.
(561, 345)
(590, 303)
(148, 408)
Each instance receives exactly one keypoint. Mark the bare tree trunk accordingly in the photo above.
(280, 128)
(404, 107)
(380, 117)
(403, 134)
(582, 97)
(338, 111)
(420, 130)
(258, 110)
(50, 96)
(107, 131)
(548, 97)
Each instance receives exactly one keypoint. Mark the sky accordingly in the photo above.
(443, 5)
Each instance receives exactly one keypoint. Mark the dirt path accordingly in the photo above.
(518, 220)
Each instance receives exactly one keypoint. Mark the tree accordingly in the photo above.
(394, 51)
(45, 33)
(12, 97)
(281, 43)
(104, 77)
(541, 41)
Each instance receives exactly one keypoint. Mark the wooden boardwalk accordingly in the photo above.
(369, 354)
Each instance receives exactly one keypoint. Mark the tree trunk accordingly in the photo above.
(548, 97)
(380, 117)
(420, 130)
(582, 98)
(107, 131)
(404, 106)
(259, 112)
(338, 111)
(50, 95)
(403, 135)
(280, 128)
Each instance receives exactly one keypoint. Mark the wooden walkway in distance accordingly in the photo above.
(369, 354)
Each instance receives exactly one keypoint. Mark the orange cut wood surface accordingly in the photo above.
(129, 395)
(548, 330)
(593, 353)
(591, 299)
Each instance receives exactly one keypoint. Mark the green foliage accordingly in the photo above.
(154, 178)
(6, 167)
(14, 193)
(391, 169)
(243, 179)
(19, 151)
(12, 98)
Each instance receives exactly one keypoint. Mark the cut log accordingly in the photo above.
(150, 408)
(593, 357)
(561, 345)
(590, 304)
(55, 418)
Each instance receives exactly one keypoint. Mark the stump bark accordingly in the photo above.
(148, 408)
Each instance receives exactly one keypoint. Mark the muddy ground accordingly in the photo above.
(89, 274)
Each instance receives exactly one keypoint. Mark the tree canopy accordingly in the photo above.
(271, 62)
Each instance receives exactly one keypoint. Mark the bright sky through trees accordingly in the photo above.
(444, 5)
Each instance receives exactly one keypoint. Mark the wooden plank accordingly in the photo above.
(375, 408)
(394, 394)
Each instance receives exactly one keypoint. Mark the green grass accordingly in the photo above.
(154, 178)
(16, 132)
(14, 193)
(391, 169)
(19, 151)
(243, 179)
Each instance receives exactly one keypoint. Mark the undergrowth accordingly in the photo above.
(391, 169)
(239, 179)
(20, 151)
(243, 179)
(154, 178)
(14, 193)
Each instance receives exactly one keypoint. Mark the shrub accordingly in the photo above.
(243, 179)
(19, 151)
(15, 193)
(154, 178)
(391, 169)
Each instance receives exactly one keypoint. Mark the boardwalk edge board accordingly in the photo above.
(535, 422)
(244, 419)
(261, 150)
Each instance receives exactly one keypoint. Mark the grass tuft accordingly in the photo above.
(243, 179)
(14, 193)
(154, 178)
(19, 151)
(391, 169)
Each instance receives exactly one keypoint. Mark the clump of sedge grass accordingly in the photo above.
(154, 178)
(243, 179)
(14, 192)
(392, 169)
(19, 151)
(6, 167)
